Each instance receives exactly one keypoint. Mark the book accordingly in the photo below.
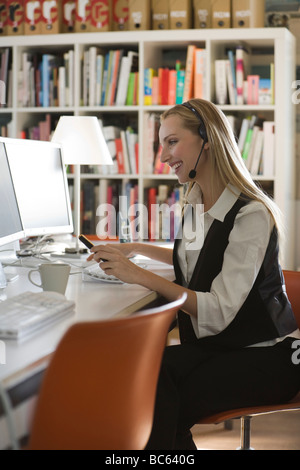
(163, 85)
(248, 139)
(125, 152)
(189, 73)
(221, 81)
(120, 156)
(152, 224)
(199, 72)
(148, 85)
(252, 89)
(241, 72)
(172, 87)
(47, 64)
(148, 161)
(130, 89)
(129, 64)
(99, 77)
(230, 83)
(268, 156)
(180, 79)
(108, 75)
(131, 138)
(111, 133)
(265, 91)
(231, 59)
(257, 152)
(252, 144)
(243, 133)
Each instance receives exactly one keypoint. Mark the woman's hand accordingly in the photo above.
(128, 250)
(113, 259)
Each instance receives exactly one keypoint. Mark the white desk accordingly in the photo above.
(93, 301)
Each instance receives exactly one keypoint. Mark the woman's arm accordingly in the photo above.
(165, 255)
(120, 266)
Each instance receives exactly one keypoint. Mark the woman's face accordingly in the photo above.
(180, 147)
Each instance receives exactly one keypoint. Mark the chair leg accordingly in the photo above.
(228, 425)
(245, 433)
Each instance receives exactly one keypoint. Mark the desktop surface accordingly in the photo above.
(94, 300)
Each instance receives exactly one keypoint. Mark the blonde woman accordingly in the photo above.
(237, 325)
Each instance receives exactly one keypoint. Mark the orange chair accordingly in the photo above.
(99, 389)
(292, 279)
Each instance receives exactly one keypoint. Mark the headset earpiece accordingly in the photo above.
(201, 128)
(202, 133)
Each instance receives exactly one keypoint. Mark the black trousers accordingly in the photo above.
(195, 382)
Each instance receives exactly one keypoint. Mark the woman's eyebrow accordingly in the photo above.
(168, 136)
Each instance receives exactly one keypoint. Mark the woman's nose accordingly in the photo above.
(164, 155)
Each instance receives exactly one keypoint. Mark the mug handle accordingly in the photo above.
(29, 277)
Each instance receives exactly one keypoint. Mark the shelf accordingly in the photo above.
(278, 43)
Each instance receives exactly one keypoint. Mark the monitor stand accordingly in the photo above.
(8, 256)
(3, 280)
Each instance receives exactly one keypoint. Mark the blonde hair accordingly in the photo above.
(226, 160)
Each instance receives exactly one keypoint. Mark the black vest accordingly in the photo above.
(266, 313)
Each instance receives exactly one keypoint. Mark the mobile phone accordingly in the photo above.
(85, 241)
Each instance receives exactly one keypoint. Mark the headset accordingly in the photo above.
(202, 132)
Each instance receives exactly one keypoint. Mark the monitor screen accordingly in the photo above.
(10, 221)
(41, 187)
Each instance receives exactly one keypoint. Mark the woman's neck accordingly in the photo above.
(211, 195)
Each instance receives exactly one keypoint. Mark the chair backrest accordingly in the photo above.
(292, 281)
(99, 389)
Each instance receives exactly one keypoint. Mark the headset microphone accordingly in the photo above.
(202, 133)
(193, 172)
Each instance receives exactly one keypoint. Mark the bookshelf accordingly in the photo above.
(155, 49)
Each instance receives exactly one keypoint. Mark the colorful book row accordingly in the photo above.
(237, 83)
(169, 86)
(109, 78)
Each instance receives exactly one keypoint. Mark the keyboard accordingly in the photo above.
(26, 314)
(94, 272)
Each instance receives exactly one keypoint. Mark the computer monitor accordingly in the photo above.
(40, 182)
(11, 228)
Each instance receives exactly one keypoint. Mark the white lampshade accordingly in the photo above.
(82, 141)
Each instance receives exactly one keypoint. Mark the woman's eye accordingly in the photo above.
(172, 142)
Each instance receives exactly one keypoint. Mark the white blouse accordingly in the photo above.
(243, 258)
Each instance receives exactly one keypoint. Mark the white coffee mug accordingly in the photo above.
(54, 277)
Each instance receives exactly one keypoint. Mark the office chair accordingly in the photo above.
(99, 389)
(292, 280)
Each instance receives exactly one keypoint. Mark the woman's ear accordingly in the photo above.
(206, 146)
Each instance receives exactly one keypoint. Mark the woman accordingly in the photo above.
(237, 326)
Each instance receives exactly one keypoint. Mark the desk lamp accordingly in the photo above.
(82, 143)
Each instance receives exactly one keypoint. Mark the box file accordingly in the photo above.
(99, 16)
(120, 15)
(82, 19)
(3, 17)
(32, 17)
(50, 16)
(68, 13)
(180, 14)
(221, 14)
(139, 15)
(202, 14)
(160, 14)
(15, 17)
(248, 13)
